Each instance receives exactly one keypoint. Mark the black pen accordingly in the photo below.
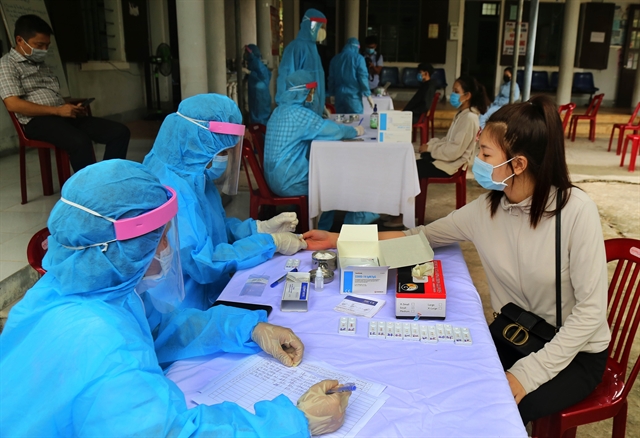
(281, 279)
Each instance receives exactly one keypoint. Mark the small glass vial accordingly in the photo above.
(319, 279)
(373, 119)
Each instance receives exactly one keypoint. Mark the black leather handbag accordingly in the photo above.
(521, 332)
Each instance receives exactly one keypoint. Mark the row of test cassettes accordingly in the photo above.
(410, 331)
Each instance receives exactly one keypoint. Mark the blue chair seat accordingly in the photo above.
(583, 83)
(410, 77)
(390, 74)
(553, 82)
(539, 81)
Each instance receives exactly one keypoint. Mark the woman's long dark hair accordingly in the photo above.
(479, 99)
(533, 129)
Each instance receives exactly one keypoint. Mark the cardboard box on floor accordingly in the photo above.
(361, 241)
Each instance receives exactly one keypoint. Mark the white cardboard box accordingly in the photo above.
(361, 241)
(395, 127)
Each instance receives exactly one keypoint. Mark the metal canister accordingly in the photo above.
(330, 258)
(326, 273)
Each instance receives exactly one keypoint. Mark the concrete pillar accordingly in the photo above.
(568, 51)
(263, 20)
(248, 28)
(159, 33)
(351, 19)
(290, 20)
(216, 47)
(192, 46)
(636, 89)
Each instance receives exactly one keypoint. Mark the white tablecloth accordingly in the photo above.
(363, 176)
(385, 103)
(435, 390)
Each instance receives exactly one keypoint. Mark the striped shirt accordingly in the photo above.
(29, 81)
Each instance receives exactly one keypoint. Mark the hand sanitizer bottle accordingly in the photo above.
(373, 120)
(319, 279)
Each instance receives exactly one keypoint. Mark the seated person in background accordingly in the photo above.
(348, 79)
(375, 61)
(522, 163)
(259, 79)
(290, 131)
(503, 96)
(442, 157)
(29, 89)
(195, 154)
(78, 355)
(421, 101)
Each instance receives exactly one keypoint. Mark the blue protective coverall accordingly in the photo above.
(302, 54)
(259, 79)
(212, 246)
(501, 99)
(348, 79)
(78, 356)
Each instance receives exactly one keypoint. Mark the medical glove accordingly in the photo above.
(279, 342)
(325, 413)
(288, 243)
(359, 130)
(370, 100)
(282, 223)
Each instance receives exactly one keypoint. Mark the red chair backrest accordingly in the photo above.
(568, 110)
(635, 114)
(250, 162)
(258, 132)
(37, 248)
(19, 128)
(594, 106)
(331, 108)
(624, 303)
(432, 110)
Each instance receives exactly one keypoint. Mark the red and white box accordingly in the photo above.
(424, 299)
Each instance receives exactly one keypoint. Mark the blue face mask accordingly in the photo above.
(419, 77)
(217, 168)
(370, 51)
(483, 173)
(455, 100)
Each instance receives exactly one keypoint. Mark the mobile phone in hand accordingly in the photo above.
(87, 102)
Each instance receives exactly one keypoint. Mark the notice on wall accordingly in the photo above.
(433, 31)
(597, 37)
(510, 36)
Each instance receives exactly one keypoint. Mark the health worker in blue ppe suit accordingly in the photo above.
(302, 54)
(349, 80)
(78, 355)
(259, 79)
(290, 131)
(503, 96)
(196, 152)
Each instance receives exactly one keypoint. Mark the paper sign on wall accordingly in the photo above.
(510, 36)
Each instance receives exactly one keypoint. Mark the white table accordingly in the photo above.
(435, 390)
(385, 103)
(363, 176)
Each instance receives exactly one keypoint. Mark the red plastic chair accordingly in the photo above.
(263, 196)
(624, 127)
(567, 109)
(37, 248)
(258, 134)
(609, 399)
(331, 108)
(62, 161)
(590, 115)
(635, 145)
(459, 179)
(425, 120)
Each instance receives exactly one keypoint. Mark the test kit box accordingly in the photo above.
(416, 297)
(365, 261)
(295, 297)
(395, 127)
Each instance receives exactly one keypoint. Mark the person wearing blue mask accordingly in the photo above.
(442, 157)
(290, 131)
(503, 96)
(374, 61)
(421, 101)
(302, 54)
(79, 357)
(259, 79)
(348, 79)
(197, 151)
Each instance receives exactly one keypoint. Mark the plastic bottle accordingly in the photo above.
(319, 279)
(373, 120)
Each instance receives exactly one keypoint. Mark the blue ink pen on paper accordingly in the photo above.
(347, 387)
(281, 279)
(361, 119)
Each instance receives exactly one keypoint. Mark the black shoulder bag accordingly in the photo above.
(518, 332)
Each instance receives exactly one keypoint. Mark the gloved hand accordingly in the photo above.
(325, 413)
(280, 224)
(370, 101)
(288, 243)
(279, 342)
(359, 130)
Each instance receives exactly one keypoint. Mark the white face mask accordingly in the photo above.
(37, 55)
(322, 35)
(164, 258)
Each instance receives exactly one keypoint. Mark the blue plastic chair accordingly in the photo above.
(441, 81)
(391, 75)
(583, 83)
(539, 81)
(409, 77)
(520, 79)
(553, 81)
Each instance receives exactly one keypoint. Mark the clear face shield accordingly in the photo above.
(223, 169)
(311, 86)
(319, 28)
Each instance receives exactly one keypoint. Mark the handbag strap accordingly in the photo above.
(558, 256)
